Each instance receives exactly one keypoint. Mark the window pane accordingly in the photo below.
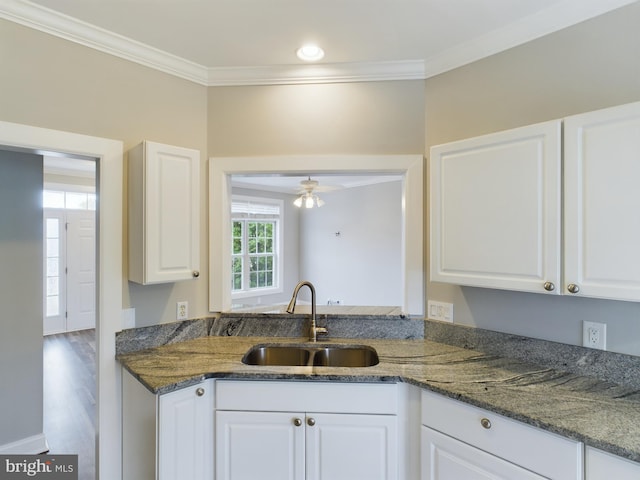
(91, 201)
(53, 228)
(254, 241)
(76, 201)
(52, 267)
(52, 199)
(53, 286)
(52, 247)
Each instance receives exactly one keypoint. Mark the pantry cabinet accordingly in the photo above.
(306, 431)
(500, 205)
(164, 213)
(462, 441)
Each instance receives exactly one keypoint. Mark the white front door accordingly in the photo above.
(70, 271)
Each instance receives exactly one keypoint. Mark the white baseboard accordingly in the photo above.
(30, 445)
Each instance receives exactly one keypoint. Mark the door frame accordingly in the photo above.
(109, 179)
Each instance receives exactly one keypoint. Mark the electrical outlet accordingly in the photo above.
(182, 310)
(440, 311)
(594, 335)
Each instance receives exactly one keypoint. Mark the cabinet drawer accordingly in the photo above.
(537, 450)
(273, 396)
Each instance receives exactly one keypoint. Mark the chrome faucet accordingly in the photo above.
(315, 330)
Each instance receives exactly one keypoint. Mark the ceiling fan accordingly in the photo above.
(308, 196)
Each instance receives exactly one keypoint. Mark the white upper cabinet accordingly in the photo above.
(602, 203)
(164, 213)
(495, 210)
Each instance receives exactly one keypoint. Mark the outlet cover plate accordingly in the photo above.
(182, 310)
(594, 335)
(440, 311)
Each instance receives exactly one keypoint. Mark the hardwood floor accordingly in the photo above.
(69, 397)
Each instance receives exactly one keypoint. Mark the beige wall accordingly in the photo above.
(53, 83)
(586, 67)
(352, 118)
(49, 82)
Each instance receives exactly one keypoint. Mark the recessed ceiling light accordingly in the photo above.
(310, 53)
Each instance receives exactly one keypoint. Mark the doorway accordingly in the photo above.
(69, 245)
(109, 180)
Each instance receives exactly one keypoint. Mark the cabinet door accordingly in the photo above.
(604, 466)
(164, 213)
(259, 445)
(185, 434)
(351, 447)
(602, 199)
(444, 458)
(495, 210)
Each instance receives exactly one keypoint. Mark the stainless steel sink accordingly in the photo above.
(312, 355)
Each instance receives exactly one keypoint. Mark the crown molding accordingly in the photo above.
(321, 73)
(49, 21)
(557, 17)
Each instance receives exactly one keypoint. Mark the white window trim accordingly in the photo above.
(278, 277)
(411, 167)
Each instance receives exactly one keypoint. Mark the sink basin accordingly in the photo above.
(312, 355)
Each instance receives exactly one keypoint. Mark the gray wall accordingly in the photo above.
(363, 265)
(586, 67)
(20, 296)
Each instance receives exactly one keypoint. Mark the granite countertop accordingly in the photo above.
(600, 414)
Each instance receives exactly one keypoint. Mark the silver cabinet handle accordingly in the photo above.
(549, 286)
(196, 274)
(311, 422)
(297, 422)
(200, 392)
(573, 288)
(486, 423)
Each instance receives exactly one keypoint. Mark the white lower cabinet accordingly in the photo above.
(464, 442)
(605, 466)
(167, 437)
(446, 458)
(335, 432)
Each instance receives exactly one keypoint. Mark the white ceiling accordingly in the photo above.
(217, 42)
(326, 182)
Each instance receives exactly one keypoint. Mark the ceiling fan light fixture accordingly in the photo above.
(310, 53)
(308, 197)
(309, 201)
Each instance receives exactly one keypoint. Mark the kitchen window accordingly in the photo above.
(256, 246)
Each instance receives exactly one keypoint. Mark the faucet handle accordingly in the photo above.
(322, 330)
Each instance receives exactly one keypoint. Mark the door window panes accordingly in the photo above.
(52, 281)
